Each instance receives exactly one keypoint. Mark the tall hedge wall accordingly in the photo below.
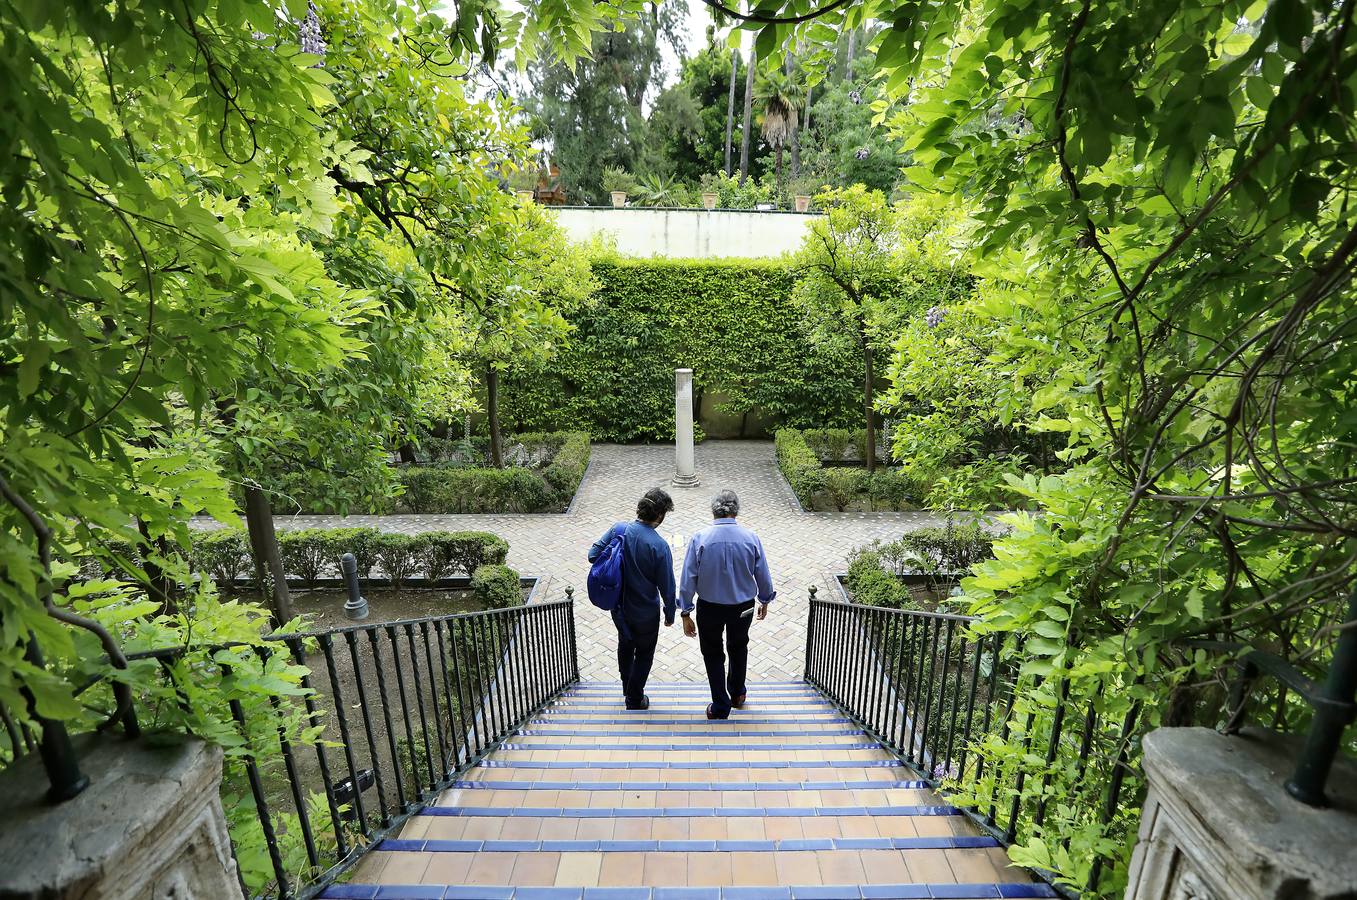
(732, 322)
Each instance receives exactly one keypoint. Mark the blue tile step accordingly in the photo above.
(857, 785)
(673, 764)
(1016, 891)
(768, 745)
(954, 842)
(735, 719)
(721, 732)
(683, 812)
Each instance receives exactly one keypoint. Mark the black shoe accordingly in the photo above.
(711, 712)
(738, 702)
(643, 703)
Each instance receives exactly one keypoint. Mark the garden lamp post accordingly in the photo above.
(685, 474)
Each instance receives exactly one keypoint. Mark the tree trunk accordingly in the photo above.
(730, 109)
(796, 137)
(847, 72)
(748, 119)
(406, 451)
(868, 378)
(158, 584)
(777, 166)
(492, 415)
(268, 560)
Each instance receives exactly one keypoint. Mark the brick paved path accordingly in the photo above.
(803, 548)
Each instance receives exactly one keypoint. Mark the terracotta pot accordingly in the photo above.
(802, 202)
(525, 196)
(709, 199)
(619, 198)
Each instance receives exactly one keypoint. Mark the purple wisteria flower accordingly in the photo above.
(309, 32)
(941, 772)
(855, 97)
(934, 316)
(862, 153)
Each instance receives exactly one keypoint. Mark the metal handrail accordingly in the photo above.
(435, 695)
(901, 675)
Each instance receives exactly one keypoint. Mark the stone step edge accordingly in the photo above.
(685, 812)
(472, 784)
(949, 842)
(916, 891)
(696, 748)
(733, 765)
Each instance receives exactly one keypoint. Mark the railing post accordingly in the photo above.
(810, 631)
(1332, 716)
(574, 650)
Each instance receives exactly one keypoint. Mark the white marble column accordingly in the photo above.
(685, 474)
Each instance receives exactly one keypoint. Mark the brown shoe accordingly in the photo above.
(738, 702)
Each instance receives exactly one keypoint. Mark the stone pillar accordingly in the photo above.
(1219, 825)
(150, 825)
(685, 473)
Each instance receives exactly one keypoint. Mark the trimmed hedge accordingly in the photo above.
(733, 322)
(820, 489)
(513, 489)
(497, 587)
(311, 554)
(875, 572)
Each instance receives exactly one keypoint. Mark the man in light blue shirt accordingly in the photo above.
(726, 572)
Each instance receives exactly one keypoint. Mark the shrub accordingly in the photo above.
(395, 555)
(892, 489)
(308, 553)
(223, 554)
(949, 550)
(837, 442)
(361, 542)
(566, 470)
(496, 587)
(517, 489)
(799, 465)
(442, 553)
(872, 585)
(843, 486)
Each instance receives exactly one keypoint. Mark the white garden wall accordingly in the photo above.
(688, 233)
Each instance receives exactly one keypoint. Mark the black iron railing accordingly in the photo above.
(387, 716)
(928, 690)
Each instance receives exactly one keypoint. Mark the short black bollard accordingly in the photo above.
(356, 607)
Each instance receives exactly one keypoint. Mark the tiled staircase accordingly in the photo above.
(785, 800)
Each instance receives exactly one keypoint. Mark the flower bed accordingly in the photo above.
(824, 476)
(919, 569)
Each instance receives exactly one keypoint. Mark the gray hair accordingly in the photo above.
(725, 505)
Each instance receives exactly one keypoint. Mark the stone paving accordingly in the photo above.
(803, 548)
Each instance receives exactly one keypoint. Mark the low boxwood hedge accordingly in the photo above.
(820, 489)
(311, 554)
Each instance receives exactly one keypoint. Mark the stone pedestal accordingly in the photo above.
(1218, 825)
(685, 473)
(150, 825)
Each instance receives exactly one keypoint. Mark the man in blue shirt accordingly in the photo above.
(647, 580)
(727, 572)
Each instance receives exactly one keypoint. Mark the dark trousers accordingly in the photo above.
(715, 622)
(635, 653)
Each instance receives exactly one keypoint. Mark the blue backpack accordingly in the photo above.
(605, 575)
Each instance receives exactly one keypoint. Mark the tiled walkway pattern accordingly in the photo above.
(803, 548)
(786, 800)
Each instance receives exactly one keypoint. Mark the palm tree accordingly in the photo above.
(782, 97)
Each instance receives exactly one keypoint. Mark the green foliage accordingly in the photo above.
(496, 586)
(615, 379)
(395, 555)
(687, 126)
(223, 555)
(869, 582)
(841, 487)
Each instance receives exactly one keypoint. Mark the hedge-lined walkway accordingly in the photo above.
(803, 548)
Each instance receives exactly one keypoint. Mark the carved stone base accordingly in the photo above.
(150, 825)
(1218, 825)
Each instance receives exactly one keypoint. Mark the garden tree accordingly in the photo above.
(173, 188)
(840, 142)
(686, 126)
(518, 318)
(591, 112)
(781, 94)
(730, 106)
(1175, 178)
(865, 266)
(116, 210)
(963, 423)
(747, 128)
